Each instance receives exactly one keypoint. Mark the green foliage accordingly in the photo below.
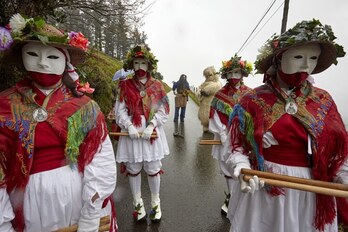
(98, 70)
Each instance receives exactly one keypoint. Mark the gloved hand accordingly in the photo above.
(223, 137)
(133, 132)
(148, 132)
(238, 167)
(253, 184)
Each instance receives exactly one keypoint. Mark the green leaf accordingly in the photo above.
(39, 23)
(43, 39)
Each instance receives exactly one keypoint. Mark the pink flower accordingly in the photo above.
(241, 63)
(275, 43)
(85, 88)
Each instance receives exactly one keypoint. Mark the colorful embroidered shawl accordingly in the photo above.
(224, 100)
(155, 97)
(78, 121)
(260, 108)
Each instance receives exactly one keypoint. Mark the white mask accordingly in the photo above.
(300, 59)
(235, 74)
(41, 58)
(140, 63)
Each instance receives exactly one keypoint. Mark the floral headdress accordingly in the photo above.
(140, 51)
(303, 33)
(236, 63)
(21, 30)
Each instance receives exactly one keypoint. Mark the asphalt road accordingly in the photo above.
(192, 189)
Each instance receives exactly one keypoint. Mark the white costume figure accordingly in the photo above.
(289, 127)
(141, 109)
(206, 92)
(53, 174)
(233, 71)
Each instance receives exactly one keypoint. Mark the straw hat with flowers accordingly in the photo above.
(22, 30)
(303, 33)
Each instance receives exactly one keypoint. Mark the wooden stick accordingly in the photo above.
(293, 179)
(210, 142)
(104, 228)
(303, 187)
(104, 225)
(154, 134)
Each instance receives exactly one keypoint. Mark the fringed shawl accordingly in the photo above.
(224, 100)
(154, 98)
(78, 121)
(262, 107)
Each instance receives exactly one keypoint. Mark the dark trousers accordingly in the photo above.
(182, 114)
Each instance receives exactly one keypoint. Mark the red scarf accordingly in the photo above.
(225, 99)
(17, 136)
(148, 104)
(320, 119)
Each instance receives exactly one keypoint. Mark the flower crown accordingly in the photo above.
(21, 29)
(140, 51)
(302, 33)
(236, 63)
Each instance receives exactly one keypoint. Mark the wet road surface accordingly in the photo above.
(192, 189)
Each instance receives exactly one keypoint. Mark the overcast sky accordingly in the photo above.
(187, 36)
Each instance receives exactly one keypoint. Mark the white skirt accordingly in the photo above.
(261, 212)
(53, 200)
(140, 150)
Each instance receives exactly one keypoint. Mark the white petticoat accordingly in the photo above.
(55, 200)
(139, 150)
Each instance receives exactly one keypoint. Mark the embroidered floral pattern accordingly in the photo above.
(153, 212)
(137, 211)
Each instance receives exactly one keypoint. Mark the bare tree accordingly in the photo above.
(112, 26)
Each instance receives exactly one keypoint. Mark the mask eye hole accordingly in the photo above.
(298, 57)
(53, 57)
(32, 54)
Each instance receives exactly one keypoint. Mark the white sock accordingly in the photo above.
(154, 183)
(135, 184)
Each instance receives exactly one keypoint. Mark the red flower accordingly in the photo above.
(135, 214)
(78, 40)
(139, 54)
(275, 43)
